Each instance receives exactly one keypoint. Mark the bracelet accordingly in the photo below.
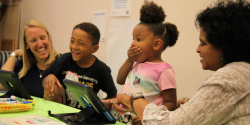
(135, 96)
(14, 55)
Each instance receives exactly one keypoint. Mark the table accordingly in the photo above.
(41, 108)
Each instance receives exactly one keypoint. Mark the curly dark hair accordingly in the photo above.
(227, 27)
(153, 16)
(92, 31)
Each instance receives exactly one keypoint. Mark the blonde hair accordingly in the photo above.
(28, 57)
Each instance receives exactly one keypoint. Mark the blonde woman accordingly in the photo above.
(36, 56)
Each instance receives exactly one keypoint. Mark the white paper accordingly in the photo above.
(29, 120)
(120, 8)
(99, 19)
(120, 39)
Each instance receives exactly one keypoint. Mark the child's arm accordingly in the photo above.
(50, 75)
(123, 72)
(133, 53)
(167, 84)
(57, 95)
(49, 84)
(170, 100)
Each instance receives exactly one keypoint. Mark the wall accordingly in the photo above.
(60, 16)
(10, 22)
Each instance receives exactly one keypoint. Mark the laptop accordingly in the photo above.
(12, 85)
(94, 111)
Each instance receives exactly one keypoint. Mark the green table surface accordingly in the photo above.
(41, 108)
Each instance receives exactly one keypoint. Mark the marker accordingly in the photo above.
(6, 99)
(15, 103)
(10, 101)
(17, 98)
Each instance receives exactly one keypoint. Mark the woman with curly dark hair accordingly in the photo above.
(224, 97)
(144, 72)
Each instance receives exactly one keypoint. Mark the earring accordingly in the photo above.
(27, 47)
(221, 57)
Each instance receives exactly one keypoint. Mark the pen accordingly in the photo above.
(6, 99)
(17, 98)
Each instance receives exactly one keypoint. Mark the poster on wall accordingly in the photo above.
(119, 40)
(99, 19)
(120, 8)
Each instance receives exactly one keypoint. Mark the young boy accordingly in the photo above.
(80, 61)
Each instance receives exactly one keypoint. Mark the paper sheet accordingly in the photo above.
(29, 120)
(120, 8)
(99, 19)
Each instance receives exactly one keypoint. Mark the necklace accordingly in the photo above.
(40, 73)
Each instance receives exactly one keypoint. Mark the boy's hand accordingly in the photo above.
(133, 53)
(49, 83)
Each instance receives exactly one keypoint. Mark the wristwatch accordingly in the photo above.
(135, 96)
(14, 55)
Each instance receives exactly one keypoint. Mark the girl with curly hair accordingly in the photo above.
(144, 72)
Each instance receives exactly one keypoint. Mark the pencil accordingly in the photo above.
(111, 102)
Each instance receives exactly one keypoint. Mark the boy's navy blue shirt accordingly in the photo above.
(31, 81)
(98, 76)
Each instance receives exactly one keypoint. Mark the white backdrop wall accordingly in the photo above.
(60, 16)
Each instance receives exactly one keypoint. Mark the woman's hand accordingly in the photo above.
(133, 53)
(122, 104)
(10, 63)
(19, 53)
(136, 121)
(49, 83)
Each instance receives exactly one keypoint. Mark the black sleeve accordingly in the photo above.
(56, 67)
(107, 82)
(18, 66)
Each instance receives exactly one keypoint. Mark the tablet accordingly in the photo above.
(13, 85)
(86, 96)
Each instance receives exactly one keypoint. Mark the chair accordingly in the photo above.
(4, 55)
